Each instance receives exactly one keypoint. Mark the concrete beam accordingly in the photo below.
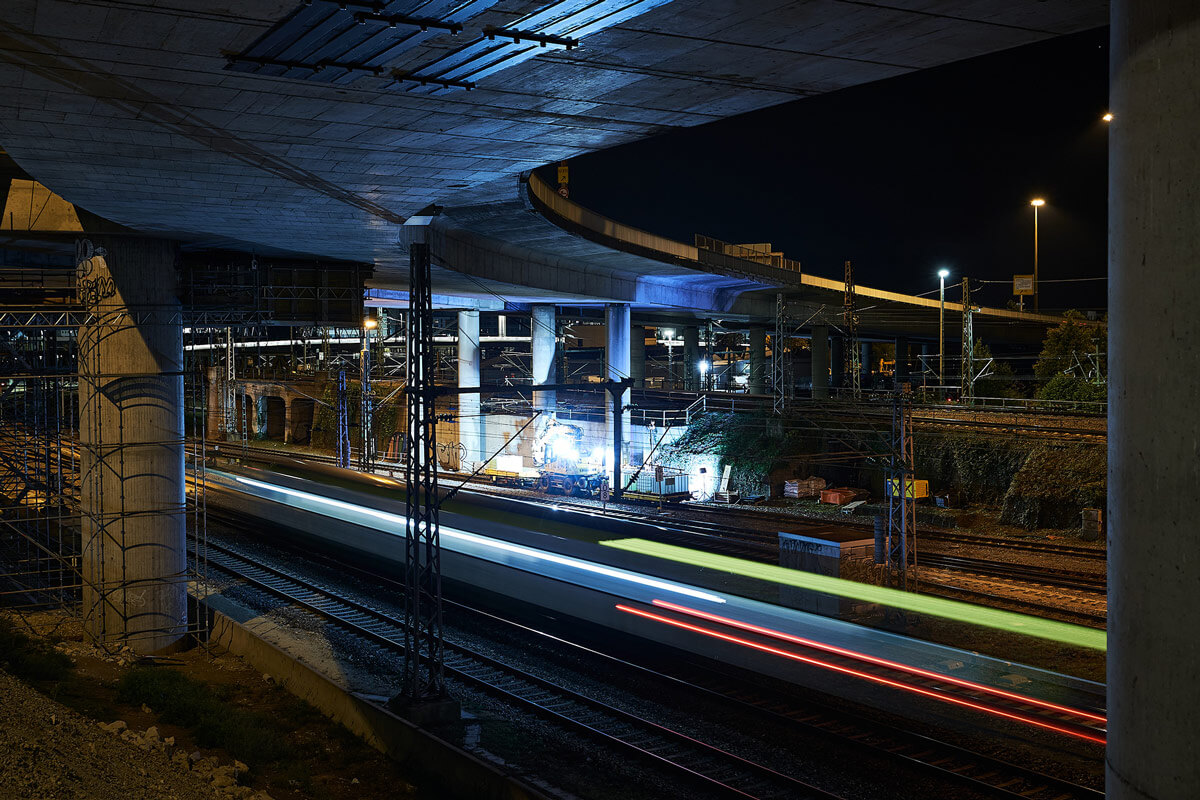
(820, 361)
(1154, 401)
(544, 346)
(757, 380)
(131, 442)
(470, 422)
(691, 358)
(616, 367)
(637, 356)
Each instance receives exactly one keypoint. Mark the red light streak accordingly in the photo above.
(1020, 698)
(857, 674)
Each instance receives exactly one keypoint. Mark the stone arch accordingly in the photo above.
(300, 419)
(272, 410)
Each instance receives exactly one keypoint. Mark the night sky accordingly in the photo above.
(902, 176)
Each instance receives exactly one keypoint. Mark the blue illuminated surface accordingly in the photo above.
(646, 588)
(475, 543)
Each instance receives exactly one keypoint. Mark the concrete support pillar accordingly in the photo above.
(544, 346)
(903, 367)
(616, 367)
(837, 362)
(470, 423)
(637, 356)
(1154, 401)
(758, 361)
(691, 358)
(820, 361)
(131, 443)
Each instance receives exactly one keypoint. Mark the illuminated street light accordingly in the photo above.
(943, 273)
(1108, 117)
(1037, 203)
(370, 323)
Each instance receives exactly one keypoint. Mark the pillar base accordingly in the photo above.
(439, 713)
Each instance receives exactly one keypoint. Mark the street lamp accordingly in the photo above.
(1037, 203)
(1108, 116)
(942, 275)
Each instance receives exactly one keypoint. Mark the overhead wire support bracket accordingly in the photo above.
(542, 39)
(392, 20)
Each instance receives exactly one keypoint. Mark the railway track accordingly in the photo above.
(708, 768)
(761, 546)
(953, 592)
(931, 534)
(987, 775)
(1062, 579)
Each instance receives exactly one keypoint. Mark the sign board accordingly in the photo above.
(562, 173)
(562, 190)
(605, 492)
(658, 473)
(1023, 285)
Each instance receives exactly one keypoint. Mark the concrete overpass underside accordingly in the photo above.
(207, 122)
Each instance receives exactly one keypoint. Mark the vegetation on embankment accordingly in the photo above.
(1037, 483)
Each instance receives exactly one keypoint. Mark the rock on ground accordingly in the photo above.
(49, 752)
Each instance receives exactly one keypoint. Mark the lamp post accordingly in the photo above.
(942, 275)
(1037, 203)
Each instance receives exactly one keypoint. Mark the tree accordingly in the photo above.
(1073, 348)
(1072, 362)
(998, 380)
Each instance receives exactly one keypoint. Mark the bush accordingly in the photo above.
(1071, 389)
(247, 735)
(28, 658)
(1055, 484)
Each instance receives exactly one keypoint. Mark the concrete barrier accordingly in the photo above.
(432, 761)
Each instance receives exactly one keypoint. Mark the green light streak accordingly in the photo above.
(1010, 621)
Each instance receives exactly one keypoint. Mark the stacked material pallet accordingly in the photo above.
(809, 487)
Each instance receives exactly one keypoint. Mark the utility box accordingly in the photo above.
(821, 552)
(1093, 524)
(914, 489)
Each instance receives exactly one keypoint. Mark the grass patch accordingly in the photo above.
(247, 735)
(30, 659)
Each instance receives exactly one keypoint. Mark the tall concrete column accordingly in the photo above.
(758, 361)
(691, 358)
(637, 356)
(837, 362)
(820, 361)
(134, 560)
(544, 346)
(1154, 401)
(616, 367)
(470, 422)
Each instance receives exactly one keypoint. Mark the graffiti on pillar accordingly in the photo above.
(92, 288)
(452, 452)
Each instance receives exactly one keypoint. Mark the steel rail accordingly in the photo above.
(702, 763)
(990, 775)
